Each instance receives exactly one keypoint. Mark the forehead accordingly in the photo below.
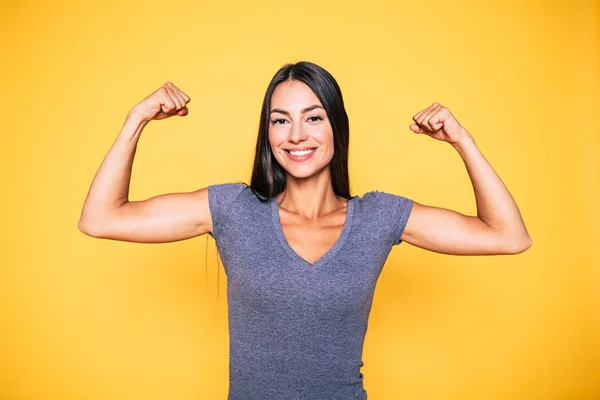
(292, 95)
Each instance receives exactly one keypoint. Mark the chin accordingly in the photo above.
(304, 173)
(299, 175)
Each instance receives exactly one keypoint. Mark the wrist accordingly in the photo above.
(135, 120)
(465, 140)
(133, 116)
(133, 126)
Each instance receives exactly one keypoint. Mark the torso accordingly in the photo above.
(312, 239)
(297, 330)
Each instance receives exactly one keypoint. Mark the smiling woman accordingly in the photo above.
(302, 255)
(303, 109)
(302, 133)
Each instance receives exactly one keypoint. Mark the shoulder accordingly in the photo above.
(239, 197)
(388, 212)
(226, 189)
(225, 200)
(383, 200)
(222, 195)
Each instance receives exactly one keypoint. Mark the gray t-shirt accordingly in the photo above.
(297, 329)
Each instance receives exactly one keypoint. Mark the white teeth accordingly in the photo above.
(301, 153)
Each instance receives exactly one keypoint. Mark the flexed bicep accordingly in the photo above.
(160, 219)
(449, 232)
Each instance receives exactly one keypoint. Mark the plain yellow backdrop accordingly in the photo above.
(86, 318)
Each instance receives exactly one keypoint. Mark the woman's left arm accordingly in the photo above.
(498, 227)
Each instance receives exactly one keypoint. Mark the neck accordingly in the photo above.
(310, 197)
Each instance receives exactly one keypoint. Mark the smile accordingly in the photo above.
(302, 152)
(300, 155)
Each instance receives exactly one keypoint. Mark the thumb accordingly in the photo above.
(415, 128)
(183, 112)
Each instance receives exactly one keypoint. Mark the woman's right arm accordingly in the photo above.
(107, 212)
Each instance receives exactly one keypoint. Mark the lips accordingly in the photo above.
(300, 154)
(300, 148)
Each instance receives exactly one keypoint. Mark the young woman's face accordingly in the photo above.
(300, 134)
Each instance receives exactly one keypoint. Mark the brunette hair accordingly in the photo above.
(268, 177)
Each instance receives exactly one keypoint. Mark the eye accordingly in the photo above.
(315, 118)
(277, 121)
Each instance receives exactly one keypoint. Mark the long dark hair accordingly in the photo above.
(268, 177)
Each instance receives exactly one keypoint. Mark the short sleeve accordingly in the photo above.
(397, 209)
(220, 199)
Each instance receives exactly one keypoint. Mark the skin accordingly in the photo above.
(308, 208)
(311, 215)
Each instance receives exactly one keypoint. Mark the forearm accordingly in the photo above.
(495, 205)
(110, 187)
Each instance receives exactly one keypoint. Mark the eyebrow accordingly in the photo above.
(307, 109)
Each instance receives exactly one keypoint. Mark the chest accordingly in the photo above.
(311, 240)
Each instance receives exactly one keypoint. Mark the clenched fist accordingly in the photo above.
(438, 122)
(165, 102)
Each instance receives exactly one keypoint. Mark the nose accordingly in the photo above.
(297, 133)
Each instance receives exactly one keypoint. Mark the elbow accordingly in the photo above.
(521, 246)
(88, 228)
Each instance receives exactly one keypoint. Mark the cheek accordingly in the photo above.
(272, 136)
(326, 139)
(330, 146)
(275, 139)
(330, 140)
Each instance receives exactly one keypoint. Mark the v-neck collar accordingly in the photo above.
(325, 257)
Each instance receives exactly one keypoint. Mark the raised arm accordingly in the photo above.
(107, 212)
(498, 227)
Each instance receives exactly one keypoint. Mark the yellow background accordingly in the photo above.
(85, 318)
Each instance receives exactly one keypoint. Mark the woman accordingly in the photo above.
(302, 255)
